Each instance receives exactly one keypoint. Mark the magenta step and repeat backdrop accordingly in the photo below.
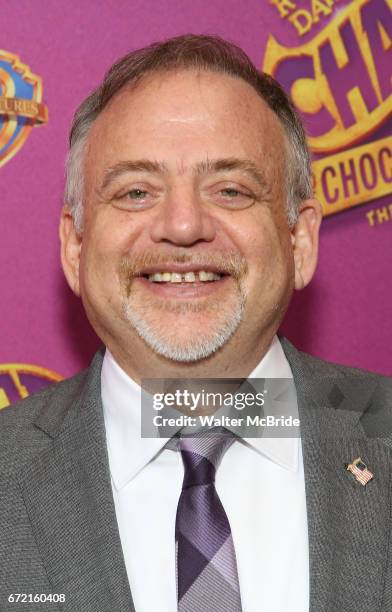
(335, 59)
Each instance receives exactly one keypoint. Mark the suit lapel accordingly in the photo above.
(68, 496)
(348, 524)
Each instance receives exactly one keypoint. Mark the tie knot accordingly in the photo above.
(202, 455)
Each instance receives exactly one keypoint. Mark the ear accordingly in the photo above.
(71, 244)
(305, 240)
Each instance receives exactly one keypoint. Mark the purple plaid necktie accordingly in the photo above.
(207, 577)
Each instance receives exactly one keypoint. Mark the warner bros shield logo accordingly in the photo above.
(21, 106)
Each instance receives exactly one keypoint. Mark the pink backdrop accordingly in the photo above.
(345, 315)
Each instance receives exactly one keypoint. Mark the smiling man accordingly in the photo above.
(189, 220)
(186, 247)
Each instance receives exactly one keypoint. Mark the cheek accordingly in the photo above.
(99, 262)
(259, 242)
(269, 255)
(111, 234)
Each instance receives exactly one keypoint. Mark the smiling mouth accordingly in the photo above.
(183, 284)
(190, 277)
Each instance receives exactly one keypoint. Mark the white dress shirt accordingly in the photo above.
(260, 482)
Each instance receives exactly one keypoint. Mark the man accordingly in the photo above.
(189, 221)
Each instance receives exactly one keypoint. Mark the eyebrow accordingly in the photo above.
(232, 163)
(139, 165)
(209, 166)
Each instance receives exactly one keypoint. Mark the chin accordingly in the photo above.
(168, 336)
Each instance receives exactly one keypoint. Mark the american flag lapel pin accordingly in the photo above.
(360, 472)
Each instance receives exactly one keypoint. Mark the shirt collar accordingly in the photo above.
(282, 451)
(129, 453)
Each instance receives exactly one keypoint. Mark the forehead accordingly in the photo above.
(186, 114)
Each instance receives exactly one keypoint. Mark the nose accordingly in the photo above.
(183, 220)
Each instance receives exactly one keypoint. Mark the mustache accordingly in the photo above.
(227, 262)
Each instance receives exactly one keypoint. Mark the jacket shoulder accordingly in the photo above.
(326, 369)
(332, 369)
(20, 439)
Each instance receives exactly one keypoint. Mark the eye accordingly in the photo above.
(136, 194)
(230, 192)
(233, 196)
(135, 198)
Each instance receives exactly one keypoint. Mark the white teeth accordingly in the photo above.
(206, 276)
(156, 278)
(176, 277)
(187, 277)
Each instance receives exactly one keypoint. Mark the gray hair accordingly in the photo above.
(185, 52)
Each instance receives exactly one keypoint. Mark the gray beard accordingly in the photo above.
(193, 350)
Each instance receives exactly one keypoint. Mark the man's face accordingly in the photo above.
(185, 241)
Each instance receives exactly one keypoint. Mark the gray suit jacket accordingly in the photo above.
(58, 530)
